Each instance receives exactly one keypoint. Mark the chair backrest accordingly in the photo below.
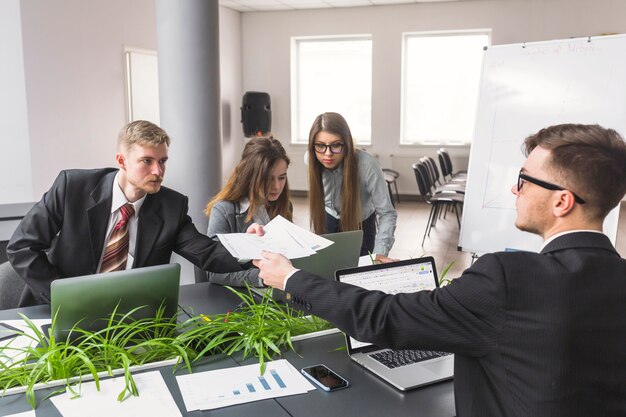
(423, 180)
(442, 164)
(11, 286)
(446, 159)
(432, 170)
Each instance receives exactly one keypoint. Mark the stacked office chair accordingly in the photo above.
(446, 167)
(435, 178)
(390, 178)
(440, 202)
(11, 286)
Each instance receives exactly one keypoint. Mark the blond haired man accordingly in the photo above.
(67, 232)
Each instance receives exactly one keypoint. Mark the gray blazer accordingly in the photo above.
(227, 217)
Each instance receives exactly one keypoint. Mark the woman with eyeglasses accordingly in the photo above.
(256, 192)
(347, 188)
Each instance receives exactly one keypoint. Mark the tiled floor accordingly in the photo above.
(442, 244)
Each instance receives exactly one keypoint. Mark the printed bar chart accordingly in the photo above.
(223, 387)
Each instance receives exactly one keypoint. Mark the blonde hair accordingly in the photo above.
(350, 215)
(142, 133)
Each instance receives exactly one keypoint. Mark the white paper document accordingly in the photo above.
(281, 236)
(154, 399)
(241, 384)
(7, 346)
(30, 413)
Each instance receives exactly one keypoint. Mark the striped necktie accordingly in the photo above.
(116, 252)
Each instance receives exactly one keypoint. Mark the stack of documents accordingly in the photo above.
(281, 236)
(241, 384)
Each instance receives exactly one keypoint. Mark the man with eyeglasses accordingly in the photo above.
(535, 334)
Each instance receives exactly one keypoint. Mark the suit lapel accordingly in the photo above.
(148, 229)
(98, 215)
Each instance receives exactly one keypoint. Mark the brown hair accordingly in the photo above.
(142, 133)
(251, 179)
(350, 213)
(589, 160)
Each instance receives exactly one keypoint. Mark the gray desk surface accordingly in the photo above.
(367, 395)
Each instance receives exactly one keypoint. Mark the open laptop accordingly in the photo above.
(404, 369)
(343, 253)
(88, 299)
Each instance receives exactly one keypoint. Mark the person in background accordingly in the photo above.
(347, 188)
(101, 220)
(534, 334)
(256, 192)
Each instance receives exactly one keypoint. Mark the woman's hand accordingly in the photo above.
(255, 229)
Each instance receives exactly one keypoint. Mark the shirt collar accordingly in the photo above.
(551, 238)
(244, 204)
(119, 199)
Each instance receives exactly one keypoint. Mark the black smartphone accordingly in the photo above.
(324, 377)
(8, 332)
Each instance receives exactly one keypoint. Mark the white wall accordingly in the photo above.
(15, 171)
(266, 56)
(74, 66)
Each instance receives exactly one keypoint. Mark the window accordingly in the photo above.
(142, 85)
(331, 74)
(440, 83)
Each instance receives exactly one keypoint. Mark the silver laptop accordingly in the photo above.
(404, 369)
(343, 253)
(87, 300)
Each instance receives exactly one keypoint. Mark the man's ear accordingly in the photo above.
(565, 203)
(121, 160)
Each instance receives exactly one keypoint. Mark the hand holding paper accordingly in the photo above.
(280, 236)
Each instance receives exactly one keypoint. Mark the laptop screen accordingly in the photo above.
(392, 278)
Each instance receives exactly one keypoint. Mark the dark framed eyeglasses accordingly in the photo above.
(334, 147)
(543, 184)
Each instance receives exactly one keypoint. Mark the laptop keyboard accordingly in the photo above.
(397, 358)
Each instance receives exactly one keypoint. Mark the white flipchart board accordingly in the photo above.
(525, 87)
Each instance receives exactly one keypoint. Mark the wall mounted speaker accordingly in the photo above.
(256, 114)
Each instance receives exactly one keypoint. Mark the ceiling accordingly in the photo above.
(268, 5)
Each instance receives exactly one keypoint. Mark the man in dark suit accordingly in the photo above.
(535, 334)
(69, 231)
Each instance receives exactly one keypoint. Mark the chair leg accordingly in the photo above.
(395, 184)
(427, 230)
(390, 194)
(458, 219)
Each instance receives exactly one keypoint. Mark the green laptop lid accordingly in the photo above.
(344, 253)
(90, 298)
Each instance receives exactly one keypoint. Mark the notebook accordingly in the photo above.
(343, 253)
(404, 369)
(87, 299)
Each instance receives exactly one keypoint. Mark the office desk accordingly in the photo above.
(366, 396)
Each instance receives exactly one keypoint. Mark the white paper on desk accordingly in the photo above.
(241, 384)
(154, 399)
(30, 413)
(281, 236)
(8, 355)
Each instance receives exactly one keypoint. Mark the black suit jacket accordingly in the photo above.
(63, 234)
(534, 334)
